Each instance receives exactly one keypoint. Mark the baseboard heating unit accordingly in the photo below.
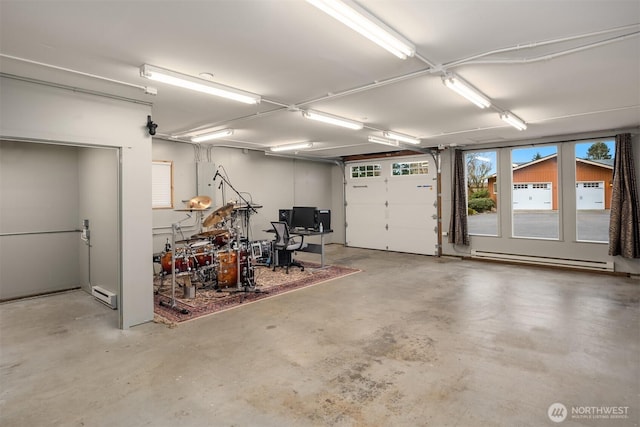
(540, 260)
(106, 297)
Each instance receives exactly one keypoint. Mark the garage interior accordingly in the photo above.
(488, 293)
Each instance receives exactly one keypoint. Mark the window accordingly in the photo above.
(410, 168)
(482, 194)
(365, 171)
(535, 202)
(594, 180)
(162, 185)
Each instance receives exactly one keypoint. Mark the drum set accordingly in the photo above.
(219, 256)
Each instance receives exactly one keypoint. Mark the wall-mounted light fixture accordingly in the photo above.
(400, 137)
(463, 88)
(513, 120)
(193, 83)
(384, 141)
(208, 136)
(292, 147)
(360, 20)
(333, 120)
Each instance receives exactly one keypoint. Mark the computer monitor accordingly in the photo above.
(303, 217)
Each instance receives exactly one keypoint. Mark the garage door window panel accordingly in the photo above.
(534, 197)
(594, 180)
(482, 194)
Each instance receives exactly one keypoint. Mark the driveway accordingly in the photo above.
(593, 225)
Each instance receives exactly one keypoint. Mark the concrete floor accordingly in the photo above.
(409, 341)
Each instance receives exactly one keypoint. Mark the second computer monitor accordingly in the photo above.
(303, 217)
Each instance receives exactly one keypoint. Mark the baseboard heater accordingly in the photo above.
(548, 261)
(106, 297)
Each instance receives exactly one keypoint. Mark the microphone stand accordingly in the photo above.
(239, 286)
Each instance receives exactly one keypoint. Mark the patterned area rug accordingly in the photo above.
(208, 301)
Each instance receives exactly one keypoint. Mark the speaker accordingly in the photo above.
(323, 216)
(285, 215)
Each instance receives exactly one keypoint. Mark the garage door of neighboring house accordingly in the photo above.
(590, 195)
(391, 205)
(532, 196)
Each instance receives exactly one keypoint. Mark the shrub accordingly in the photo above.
(481, 204)
(471, 212)
(480, 194)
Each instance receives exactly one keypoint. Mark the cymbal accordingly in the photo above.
(199, 202)
(218, 215)
(211, 233)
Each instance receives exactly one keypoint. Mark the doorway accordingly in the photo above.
(50, 192)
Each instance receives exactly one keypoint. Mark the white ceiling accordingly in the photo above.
(294, 55)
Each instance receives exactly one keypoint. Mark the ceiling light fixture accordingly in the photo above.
(384, 141)
(358, 19)
(212, 135)
(463, 88)
(292, 147)
(333, 120)
(400, 137)
(188, 82)
(513, 120)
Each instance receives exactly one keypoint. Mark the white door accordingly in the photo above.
(589, 195)
(532, 196)
(366, 213)
(392, 210)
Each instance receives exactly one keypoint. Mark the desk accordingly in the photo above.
(311, 247)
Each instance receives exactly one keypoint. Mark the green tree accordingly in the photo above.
(537, 156)
(598, 151)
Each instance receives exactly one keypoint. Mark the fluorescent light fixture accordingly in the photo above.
(358, 19)
(513, 120)
(400, 137)
(212, 135)
(384, 141)
(463, 88)
(333, 120)
(199, 85)
(292, 147)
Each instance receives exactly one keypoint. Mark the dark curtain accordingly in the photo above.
(458, 231)
(624, 222)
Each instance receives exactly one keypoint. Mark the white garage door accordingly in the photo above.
(532, 196)
(391, 205)
(589, 195)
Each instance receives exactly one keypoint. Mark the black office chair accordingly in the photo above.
(285, 245)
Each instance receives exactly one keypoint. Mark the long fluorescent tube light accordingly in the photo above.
(384, 141)
(463, 88)
(333, 120)
(513, 120)
(188, 82)
(212, 135)
(291, 147)
(358, 19)
(400, 137)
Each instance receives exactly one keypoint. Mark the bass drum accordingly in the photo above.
(228, 268)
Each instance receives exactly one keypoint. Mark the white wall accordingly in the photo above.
(566, 247)
(43, 113)
(99, 203)
(270, 181)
